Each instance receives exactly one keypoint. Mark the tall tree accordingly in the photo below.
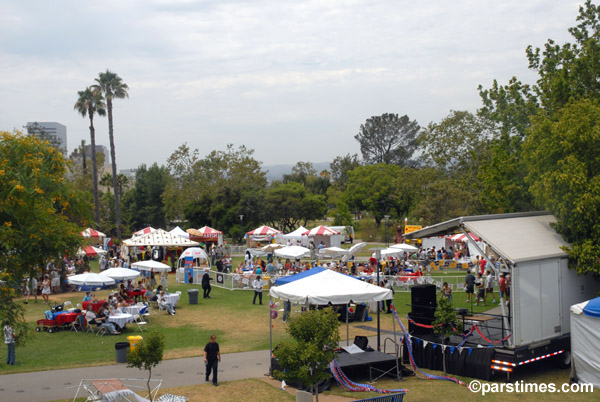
(112, 87)
(89, 103)
(388, 139)
(145, 205)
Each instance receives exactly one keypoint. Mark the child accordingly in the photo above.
(9, 340)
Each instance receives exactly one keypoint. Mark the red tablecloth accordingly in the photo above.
(95, 305)
(66, 318)
(134, 293)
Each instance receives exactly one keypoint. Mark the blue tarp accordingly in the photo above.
(304, 274)
(592, 309)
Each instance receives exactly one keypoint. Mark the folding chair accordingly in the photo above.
(78, 323)
(89, 327)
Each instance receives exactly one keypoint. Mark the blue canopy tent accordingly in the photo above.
(585, 339)
(287, 279)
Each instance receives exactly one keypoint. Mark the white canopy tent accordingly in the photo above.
(159, 237)
(199, 256)
(151, 265)
(330, 287)
(91, 279)
(121, 274)
(177, 231)
(389, 252)
(404, 247)
(334, 252)
(294, 237)
(292, 252)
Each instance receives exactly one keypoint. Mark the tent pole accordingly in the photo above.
(396, 344)
(270, 337)
(347, 328)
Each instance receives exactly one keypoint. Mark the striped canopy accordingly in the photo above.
(205, 232)
(144, 231)
(263, 231)
(92, 233)
(462, 238)
(321, 231)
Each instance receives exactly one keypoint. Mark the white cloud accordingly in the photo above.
(299, 75)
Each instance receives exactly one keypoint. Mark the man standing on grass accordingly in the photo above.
(258, 286)
(212, 357)
(206, 283)
(9, 340)
(469, 285)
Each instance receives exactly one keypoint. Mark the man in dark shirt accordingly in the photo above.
(206, 283)
(212, 357)
(469, 286)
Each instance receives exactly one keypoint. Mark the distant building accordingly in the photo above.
(54, 132)
(129, 173)
(99, 149)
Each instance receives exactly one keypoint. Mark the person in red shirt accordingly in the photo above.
(482, 264)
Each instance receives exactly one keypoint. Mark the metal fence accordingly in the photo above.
(400, 283)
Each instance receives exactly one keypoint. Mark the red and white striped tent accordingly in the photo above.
(330, 237)
(205, 234)
(261, 234)
(90, 233)
(143, 231)
(321, 231)
(460, 237)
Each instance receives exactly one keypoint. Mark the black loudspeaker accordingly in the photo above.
(361, 313)
(423, 300)
(361, 341)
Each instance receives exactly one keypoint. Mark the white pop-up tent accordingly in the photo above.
(294, 237)
(330, 287)
(585, 342)
(151, 265)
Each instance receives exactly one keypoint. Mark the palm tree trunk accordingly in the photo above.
(94, 168)
(114, 166)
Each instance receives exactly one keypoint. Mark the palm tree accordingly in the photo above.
(106, 180)
(113, 87)
(90, 102)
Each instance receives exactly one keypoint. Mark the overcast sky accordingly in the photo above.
(293, 80)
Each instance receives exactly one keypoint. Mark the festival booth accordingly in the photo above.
(292, 252)
(294, 238)
(329, 237)
(142, 232)
(158, 239)
(321, 287)
(192, 263)
(585, 342)
(206, 235)
(263, 234)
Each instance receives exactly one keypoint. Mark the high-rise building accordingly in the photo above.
(54, 132)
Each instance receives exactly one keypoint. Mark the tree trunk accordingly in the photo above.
(114, 167)
(94, 169)
(148, 384)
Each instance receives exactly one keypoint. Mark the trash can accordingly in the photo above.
(266, 282)
(193, 296)
(121, 348)
(133, 341)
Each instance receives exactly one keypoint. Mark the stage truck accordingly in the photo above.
(535, 322)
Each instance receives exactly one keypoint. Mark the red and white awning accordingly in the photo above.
(205, 233)
(263, 231)
(144, 231)
(90, 233)
(462, 238)
(321, 231)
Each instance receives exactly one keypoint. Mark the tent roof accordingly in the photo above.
(287, 279)
(292, 252)
(592, 308)
(159, 237)
(516, 237)
(177, 231)
(296, 233)
(150, 265)
(262, 231)
(321, 231)
(141, 232)
(92, 233)
(330, 287)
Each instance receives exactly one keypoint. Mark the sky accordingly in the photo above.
(292, 80)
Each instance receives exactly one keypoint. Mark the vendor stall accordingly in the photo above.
(329, 237)
(206, 235)
(263, 234)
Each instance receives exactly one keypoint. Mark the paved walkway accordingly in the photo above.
(62, 384)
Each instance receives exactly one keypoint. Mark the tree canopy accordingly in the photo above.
(388, 139)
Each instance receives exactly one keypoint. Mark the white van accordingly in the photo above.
(346, 231)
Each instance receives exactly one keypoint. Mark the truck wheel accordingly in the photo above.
(564, 360)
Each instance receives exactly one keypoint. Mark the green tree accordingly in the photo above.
(112, 87)
(380, 189)
(145, 205)
(185, 178)
(41, 215)
(147, 355)
(315, 338)
(446, 322)
(340, 167)
(388, 139)
(305, 174)
(561, 154)
(89, 103)
(288, 205)
(106, 181)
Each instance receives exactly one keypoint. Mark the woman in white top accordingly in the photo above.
(46, 289)
(162, 302)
